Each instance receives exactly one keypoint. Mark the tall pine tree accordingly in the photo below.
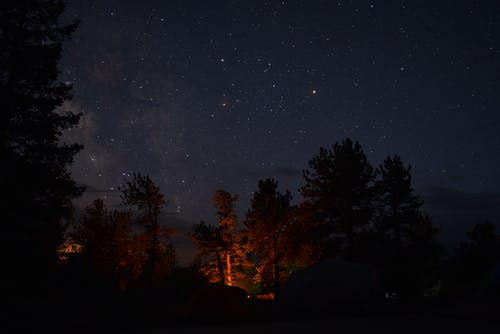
(406, 250)
(268, 227)
(36, 185)
(338, 195)
(142, 193)
(220, 252)
(397, 206)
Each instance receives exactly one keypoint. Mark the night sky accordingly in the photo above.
(206, 95)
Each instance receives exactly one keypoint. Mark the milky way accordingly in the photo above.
(203, 95)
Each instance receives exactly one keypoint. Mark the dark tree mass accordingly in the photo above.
(338, 190)
(37, 188)
(268, 224)
(184, 165)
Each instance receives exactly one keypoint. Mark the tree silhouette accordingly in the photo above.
(36, 185)
(142, 193)
(397, 206)
(210, 244)
(220, 252)
(405, 245)
(267, 223)
(126, 252)
(94, 234)
(474, 259)
(109, 249)
(224, 203)
(338, 193)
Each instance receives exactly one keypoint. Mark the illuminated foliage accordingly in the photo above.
(107, 245)
(209, 242)
(220, 252)
(268, 226)
(142, 193)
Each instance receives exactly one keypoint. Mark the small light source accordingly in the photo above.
(314, 91)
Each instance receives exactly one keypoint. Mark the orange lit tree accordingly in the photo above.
(268, 229)
(220, 253)
(109, 249)
(142, 193)
(210, 254)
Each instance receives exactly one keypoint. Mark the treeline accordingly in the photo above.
(349, 210)
(123, 247)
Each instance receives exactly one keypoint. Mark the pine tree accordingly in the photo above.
(475, 260)
(268, 226)
(210, 245)
(37, 188)
(406, 248)
(142, 193)
(94, 234)
(109, 250)
(224, 202)
(397, 207)
(338, 194)
(220, 252)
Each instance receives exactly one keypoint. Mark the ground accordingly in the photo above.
(402, 324)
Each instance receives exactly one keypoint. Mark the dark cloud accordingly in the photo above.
(447, 199)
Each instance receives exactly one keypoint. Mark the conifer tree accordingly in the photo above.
(220, 250)
(37, 187)
(142, 193)
(397, 206)
(338, 194)
(405, 246)
(268, 227)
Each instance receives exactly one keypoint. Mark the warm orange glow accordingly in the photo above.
(229, 277)
(67, 249)
(266, 296)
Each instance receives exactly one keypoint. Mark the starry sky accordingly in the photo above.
(206, 95)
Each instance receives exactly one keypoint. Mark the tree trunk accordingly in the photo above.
(229, 278)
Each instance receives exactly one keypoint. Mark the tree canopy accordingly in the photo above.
(338, 190)
(268, 227)
(37, 187)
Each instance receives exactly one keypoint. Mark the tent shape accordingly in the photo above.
(332, 285)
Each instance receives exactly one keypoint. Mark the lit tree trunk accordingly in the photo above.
(229, 279)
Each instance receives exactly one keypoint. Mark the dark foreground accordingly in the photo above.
(400, 324)
(456, 317)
